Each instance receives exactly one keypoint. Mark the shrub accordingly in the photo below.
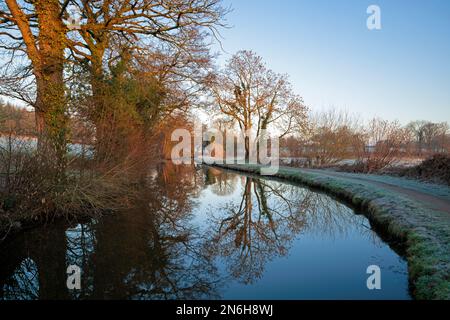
(436, 168)
(29, 193)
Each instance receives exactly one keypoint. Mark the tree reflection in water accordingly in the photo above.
(159, 250)
(269, 216)
(150, 252)
(257, 229)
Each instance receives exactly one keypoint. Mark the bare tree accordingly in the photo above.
(383, 141)
(256, 98)
(333, 136)
(166, 41)
(140, 23)
(434, 136)
(428, 137)
(416, 129)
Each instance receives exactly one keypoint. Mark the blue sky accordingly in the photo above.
(399, 72)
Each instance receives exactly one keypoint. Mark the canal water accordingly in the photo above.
(204, 233)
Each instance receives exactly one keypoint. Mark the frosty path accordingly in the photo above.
(433, 196)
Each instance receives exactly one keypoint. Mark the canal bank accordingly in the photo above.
(424, 230)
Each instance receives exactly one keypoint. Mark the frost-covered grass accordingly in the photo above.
(437, 190)
(424, 231)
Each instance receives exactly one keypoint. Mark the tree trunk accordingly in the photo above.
(46, 53)
(51, 126)
(247, 149)
(98, 113)
(50, 106)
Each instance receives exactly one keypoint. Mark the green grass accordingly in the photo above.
(424, 232)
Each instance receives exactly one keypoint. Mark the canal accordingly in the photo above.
(205, 233)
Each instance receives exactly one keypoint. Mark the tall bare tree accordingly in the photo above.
(256, 98)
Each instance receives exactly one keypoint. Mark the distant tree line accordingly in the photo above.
(334, 137)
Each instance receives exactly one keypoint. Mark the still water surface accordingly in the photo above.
(203, 233)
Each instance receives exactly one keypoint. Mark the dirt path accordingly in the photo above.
(425, 198)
